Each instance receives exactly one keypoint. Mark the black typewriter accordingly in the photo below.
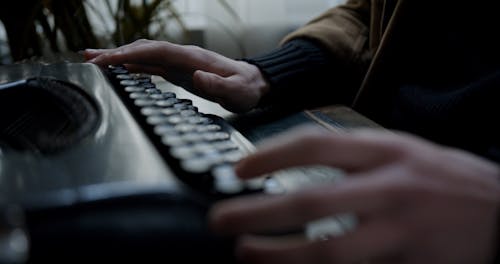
(105, 165)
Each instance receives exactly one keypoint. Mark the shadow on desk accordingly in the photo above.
(263, 123)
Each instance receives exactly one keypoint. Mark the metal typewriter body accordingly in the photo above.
(116, 157)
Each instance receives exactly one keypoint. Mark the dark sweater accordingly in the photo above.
(300, 75)
(459, 115)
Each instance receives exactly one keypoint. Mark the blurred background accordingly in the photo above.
(236, 28)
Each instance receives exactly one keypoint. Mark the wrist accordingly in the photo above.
(261, 83)
(289, 69)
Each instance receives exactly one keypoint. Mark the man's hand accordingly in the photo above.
(416, 202)
(236, 85)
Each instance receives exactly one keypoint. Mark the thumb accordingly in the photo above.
(222, 90)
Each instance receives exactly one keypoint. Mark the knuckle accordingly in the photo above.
(142, 41)
(107, 56)
(192, 47)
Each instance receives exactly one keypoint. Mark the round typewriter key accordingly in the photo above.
(185, 128)
(183, 152)
(138, 95)
(208, 128)
(143, 79)
(192, 137)
(233, 156)
(119, 71)
(222, 135)
(173, 140)
(144, 102)
(147, 85)
(169, 111)
(123, 77)
(117, 66)
(147, 111)
(199, 120)
(272, 186)
(175, 119)
(134, 89)
(186, 113)
(225, 145)
(255, 184)
(216, 136)
(129, 83)
(214, 157)
(161, 96)
(209, 136)
(196, 165)
(153, 91)
(169, 94)
(226, 181)
(141, 75)
(157, 119)
(164, 129)
(203, 147)
(180, 106)
(167, 102)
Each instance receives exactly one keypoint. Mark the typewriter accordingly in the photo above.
(105, 164)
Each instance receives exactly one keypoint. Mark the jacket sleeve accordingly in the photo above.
(344, 31)
(323, 62)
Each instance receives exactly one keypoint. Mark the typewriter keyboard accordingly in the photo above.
(200, 148)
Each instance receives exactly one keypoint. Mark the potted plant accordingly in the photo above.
(37, 28)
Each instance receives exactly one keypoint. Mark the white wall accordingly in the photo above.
(259, 26)
(4, 46)
(262, 23)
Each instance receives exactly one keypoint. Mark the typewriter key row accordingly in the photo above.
(201, 148)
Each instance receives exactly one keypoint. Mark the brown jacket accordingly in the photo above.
(390, 42)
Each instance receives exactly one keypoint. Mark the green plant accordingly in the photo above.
(36, 28)
(150, 19)
(29, 27)
(134, 21)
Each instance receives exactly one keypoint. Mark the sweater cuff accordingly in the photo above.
(297, 63)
